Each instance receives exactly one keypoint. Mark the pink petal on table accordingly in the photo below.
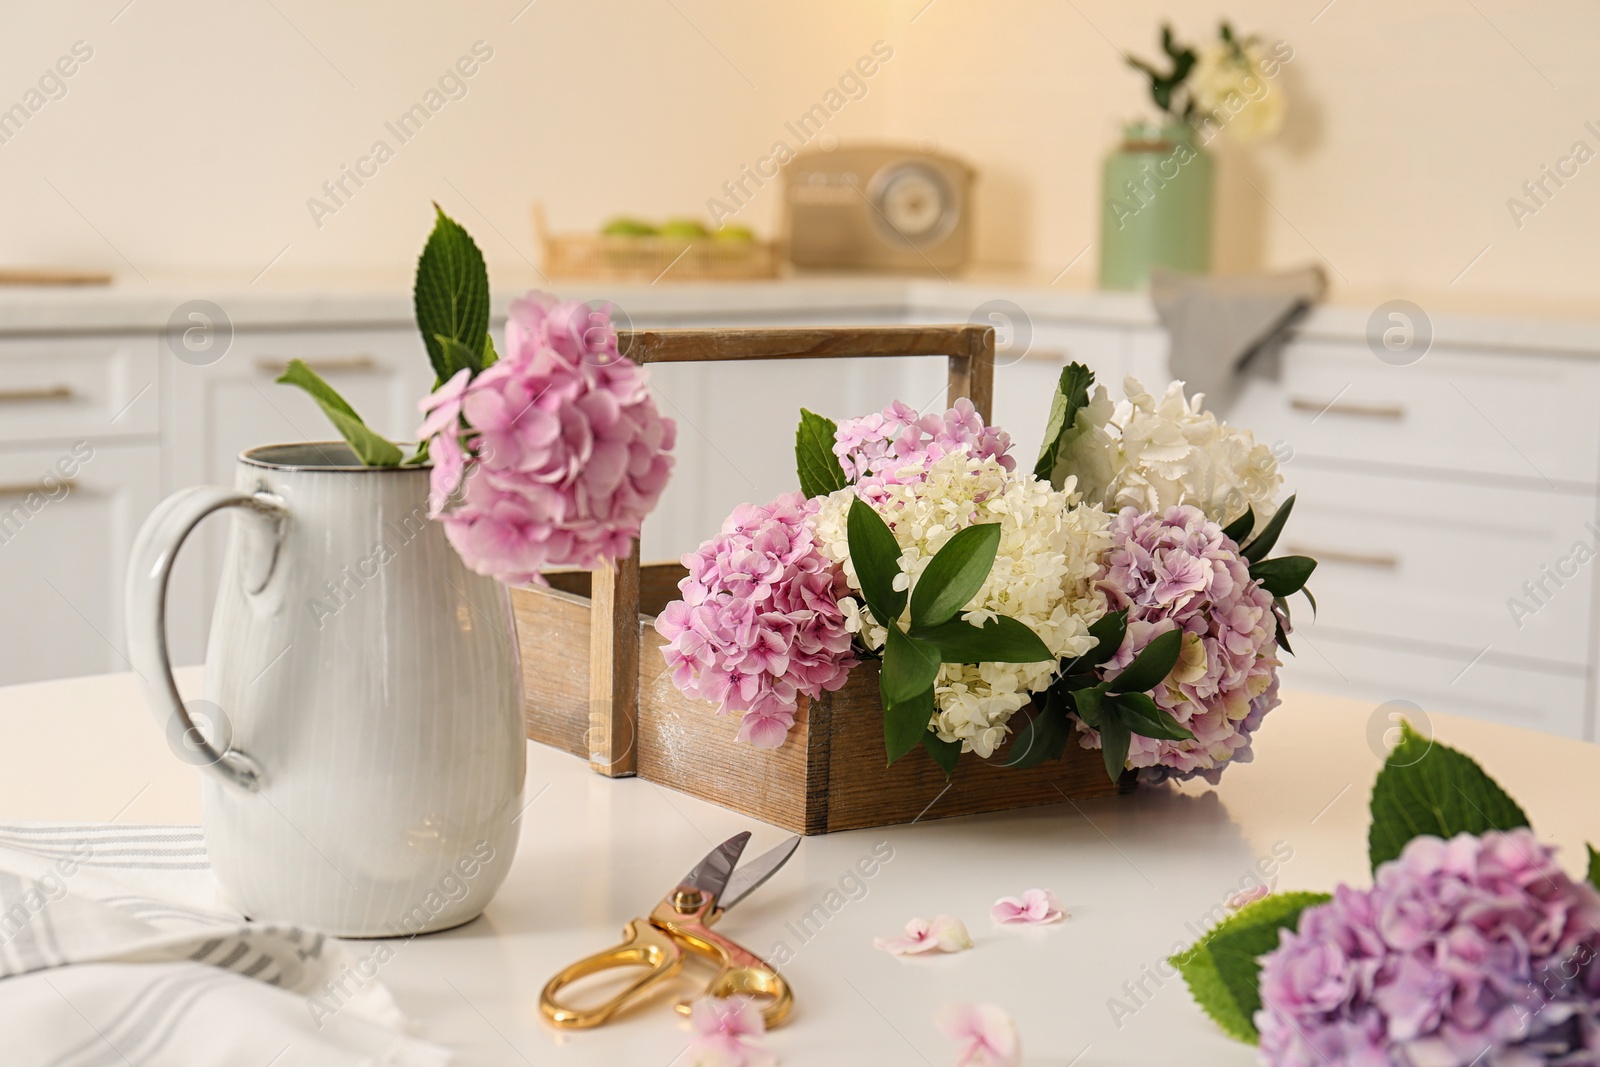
(943, 934)
(1036, 907)
(950, 934)
(728, 1033)
(985, 1035)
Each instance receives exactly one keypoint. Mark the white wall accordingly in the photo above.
(197, 132)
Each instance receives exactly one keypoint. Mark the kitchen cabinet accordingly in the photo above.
(68, 512)
(1435, 494)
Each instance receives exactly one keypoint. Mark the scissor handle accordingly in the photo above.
(643, 945)
(740, 972)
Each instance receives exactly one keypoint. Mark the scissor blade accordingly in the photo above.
(757, 871)
(710, 875)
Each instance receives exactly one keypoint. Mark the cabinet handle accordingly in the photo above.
(1367, 411)
(24, 488)
(332, 365)
(1382, 560)
(24, 396)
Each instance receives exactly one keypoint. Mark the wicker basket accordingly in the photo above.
(606, 257)
(596, 684)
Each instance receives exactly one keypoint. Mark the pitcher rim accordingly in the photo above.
(257, 456)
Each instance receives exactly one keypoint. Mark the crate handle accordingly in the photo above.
(615, 636)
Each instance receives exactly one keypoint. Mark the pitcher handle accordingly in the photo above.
(154, 551)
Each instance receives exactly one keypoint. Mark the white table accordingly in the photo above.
(594, 853)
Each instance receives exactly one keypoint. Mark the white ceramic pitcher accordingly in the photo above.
(362, 724)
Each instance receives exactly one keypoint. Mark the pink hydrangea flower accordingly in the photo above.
(759, 624)
(1036, 907)
(553, 455)
(944, 933)
(1476, 950)
(985, 1035)
(1178, 569)
(727, 1033)
(875, 450)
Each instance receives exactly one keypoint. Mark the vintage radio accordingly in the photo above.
(878, 208)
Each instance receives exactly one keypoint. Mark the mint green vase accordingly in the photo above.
(1157, 205)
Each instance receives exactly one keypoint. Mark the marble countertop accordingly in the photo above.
(366, 299)
(1138, 875)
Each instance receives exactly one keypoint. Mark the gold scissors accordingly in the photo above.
(681, 923)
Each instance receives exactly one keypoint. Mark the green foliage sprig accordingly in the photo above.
(451, 300)
(936, 635)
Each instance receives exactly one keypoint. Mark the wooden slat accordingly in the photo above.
(553, 631)
(685, 745)
(714, 346)
(972, 375)
(658, 584)
(614, 629)
(862, 792)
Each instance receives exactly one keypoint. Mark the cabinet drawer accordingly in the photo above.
(1554, 702)
(68, 515)
(1438, 561)
(1522, 416)
(84, 388)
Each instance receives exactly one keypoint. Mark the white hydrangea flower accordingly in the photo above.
(1043, 575)
(1153, 454)
(1231, 89)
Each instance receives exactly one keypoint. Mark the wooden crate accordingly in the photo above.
(597, 685)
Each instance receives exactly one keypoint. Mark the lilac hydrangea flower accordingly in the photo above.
(552, 456)
(1476, 950)
(875, 450)
(759, 623)
(1178, 569)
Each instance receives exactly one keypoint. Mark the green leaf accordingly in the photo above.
(1042, 737)
(1223, 968)
(451, 295)
(489, 354)
(1000, 640)
(1152, 665)
(457, 356)
(1257, 549)
(371, 449)
(876, 556)
(1142, 716)
(904, 724)
(954, 575)
(1108, 631)
(909, 667)
(1114, 739)
(1594, 866)
(819, 470)
(1429, 788)
(1240, 528)
(1089, 704)
(1072, 395)
(944, 753)
(1283, 575)
(1283, 635)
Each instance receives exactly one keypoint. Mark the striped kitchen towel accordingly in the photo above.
(116, 948)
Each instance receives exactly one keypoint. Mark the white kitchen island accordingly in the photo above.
(1136, 873)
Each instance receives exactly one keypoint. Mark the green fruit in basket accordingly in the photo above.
(626, 227)
(735, 233)
(683, 228)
